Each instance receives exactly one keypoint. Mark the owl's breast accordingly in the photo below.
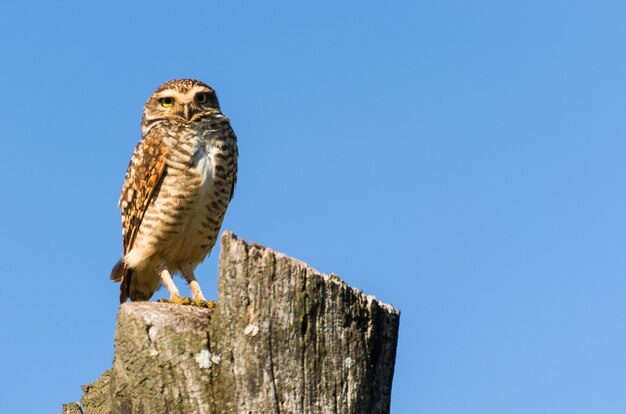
(183, 219)
(204, 190)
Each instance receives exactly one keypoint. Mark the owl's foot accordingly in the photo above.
(209, 304)
(177, 300)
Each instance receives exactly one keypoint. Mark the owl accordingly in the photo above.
(178, 185)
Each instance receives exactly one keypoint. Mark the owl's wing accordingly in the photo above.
(236, 155)
(143, 176)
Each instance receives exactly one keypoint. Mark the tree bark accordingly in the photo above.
(283, 338)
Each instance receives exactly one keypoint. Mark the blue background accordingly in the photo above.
(463, 161)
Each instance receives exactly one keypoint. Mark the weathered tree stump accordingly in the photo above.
(283, 339)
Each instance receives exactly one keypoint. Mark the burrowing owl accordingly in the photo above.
(178, 184)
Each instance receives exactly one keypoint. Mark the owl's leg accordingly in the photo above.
(166, 277)
(198, 297)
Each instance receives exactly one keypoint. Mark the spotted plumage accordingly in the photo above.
(178, 184)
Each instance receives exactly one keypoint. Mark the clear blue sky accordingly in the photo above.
(463, 161)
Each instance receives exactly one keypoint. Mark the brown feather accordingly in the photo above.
(144, 175)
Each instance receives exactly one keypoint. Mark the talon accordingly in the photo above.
(204, 304)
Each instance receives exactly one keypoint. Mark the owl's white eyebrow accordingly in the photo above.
(168, 94)
(180, 96)
(197, 89)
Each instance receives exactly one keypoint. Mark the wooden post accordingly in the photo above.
(283, 339)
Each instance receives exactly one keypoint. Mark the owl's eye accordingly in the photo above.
(166, 102)
(201, 98)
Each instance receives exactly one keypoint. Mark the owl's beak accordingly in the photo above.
(187, 112)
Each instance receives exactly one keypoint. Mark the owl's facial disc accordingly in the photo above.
(182, 104)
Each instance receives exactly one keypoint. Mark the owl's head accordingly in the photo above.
(182, 100)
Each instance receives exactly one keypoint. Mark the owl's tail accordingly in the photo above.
(121, 274)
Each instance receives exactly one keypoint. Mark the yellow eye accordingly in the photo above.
(166, 102)
(201, 98)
